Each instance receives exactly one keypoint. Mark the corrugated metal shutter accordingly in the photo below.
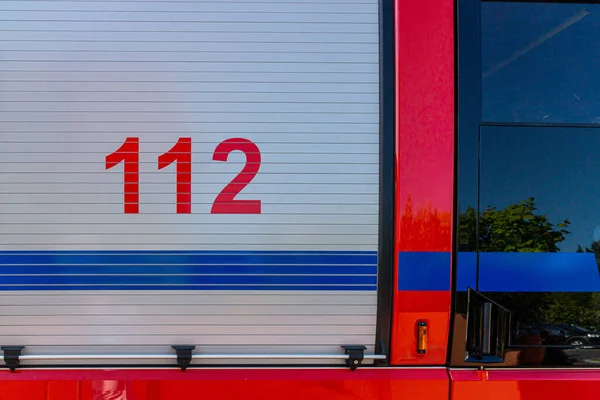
(298, 79)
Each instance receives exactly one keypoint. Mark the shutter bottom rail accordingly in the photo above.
(354, 355)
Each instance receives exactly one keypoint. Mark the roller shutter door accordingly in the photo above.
(189, 172)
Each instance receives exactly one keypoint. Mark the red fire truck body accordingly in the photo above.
(426, 332)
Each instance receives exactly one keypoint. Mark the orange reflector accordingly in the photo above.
(422, 337)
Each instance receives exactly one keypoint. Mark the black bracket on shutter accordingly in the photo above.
(11, 356)
(356, 355)
(184, 356)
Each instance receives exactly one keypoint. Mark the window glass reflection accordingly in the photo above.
(540, 62)
(546, 179)
(537, 230)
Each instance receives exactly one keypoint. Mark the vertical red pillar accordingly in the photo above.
(425, 177)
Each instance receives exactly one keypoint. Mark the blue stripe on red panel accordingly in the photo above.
(424, 271)
(188, 270)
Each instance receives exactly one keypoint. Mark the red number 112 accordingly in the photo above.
(181, 154)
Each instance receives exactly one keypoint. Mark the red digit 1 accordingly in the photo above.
(129, 154)
(182, 154)
(225, 202)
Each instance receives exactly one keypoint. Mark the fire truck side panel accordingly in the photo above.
(352, 315)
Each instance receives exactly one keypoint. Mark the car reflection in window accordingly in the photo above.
(561, 334)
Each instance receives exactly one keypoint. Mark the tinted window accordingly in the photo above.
(539, 229)
(529, 219)
(540, 62)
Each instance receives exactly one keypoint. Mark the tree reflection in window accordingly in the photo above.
(523, 228)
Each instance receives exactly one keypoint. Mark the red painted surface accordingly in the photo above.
(526, 385)
(432, 307)
(129, 154)
(180, 153)
(425, 115)
(425, 162)
(246, 384)
(422, 301)
(225, 203)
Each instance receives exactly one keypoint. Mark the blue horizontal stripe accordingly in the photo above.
(186, 280)
(187, 270)
(466, 271)
(166, 269)
(369, 288)
(501, 272)
(538, 272)
(424, 271)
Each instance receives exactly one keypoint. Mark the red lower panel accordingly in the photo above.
(411, 307)
(246, 384)
(526, 385)
(230, 384)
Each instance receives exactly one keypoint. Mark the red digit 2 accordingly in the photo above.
(225, 203)
(181, 153)
(129, 154)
